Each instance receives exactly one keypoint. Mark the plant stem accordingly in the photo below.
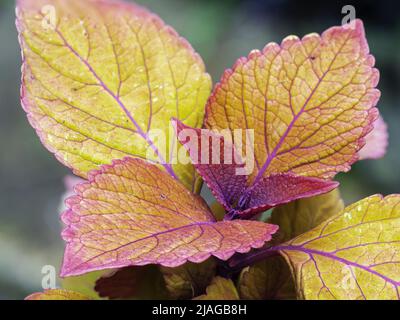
(240, 262)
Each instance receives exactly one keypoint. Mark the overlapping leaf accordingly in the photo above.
(84, 284)
(98, 76)
(267, 280)
(189, 280)
(271, 278)
(216, 159)
(220, 289)
(303, 215)
(133, 213)
(376, 141)
(140, 283)
(354, 255)
(57, 294)
(310, 102)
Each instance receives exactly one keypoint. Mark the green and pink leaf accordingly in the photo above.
(133, 213)
(98, 76)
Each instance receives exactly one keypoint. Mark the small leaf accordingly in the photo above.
(84, 284)
(230, 188)
(220, 289)
(190, 279)
(102, 76)
(280, 189)
(57, 294)
(140, 283)
(269, 279)
(133, 213)
(310, 101)
(376, 141)
(354, 255)
(212, 163)
(303, 215)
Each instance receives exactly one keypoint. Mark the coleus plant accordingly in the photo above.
(99, 76)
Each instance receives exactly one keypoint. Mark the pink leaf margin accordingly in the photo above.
(373, 112)
(377, 141)
(70, 217)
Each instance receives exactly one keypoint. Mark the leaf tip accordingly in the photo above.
(376, 141)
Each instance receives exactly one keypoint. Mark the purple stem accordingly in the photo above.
(242, 261)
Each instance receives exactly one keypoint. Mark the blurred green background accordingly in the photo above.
(31, 180)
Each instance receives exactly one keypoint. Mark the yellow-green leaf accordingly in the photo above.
(302, 215)
(57, 294)
(354, 255)
(220, 289)
(189, 280)
(84, 284)
(266, 280)
(99, 76)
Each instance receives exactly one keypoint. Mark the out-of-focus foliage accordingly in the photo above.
(31, 182)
